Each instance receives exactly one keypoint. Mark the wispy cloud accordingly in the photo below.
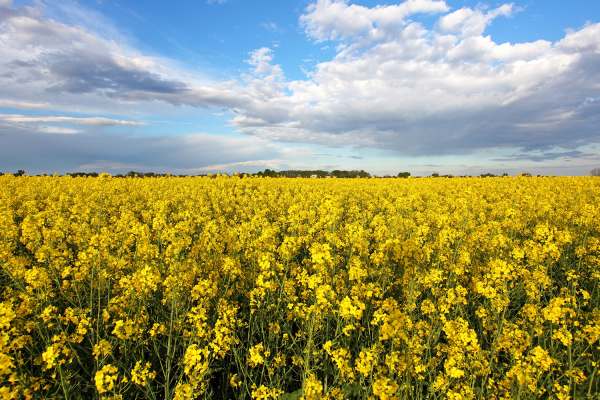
(89, 121)
(271, 26)
(57, 130)
(6, 103)
(552, 155)
(255, 164)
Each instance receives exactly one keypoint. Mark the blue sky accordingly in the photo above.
(460, 87)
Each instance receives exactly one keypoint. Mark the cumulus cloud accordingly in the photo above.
(261, 59)
(337, 19)
(449, 89)
(469, 22)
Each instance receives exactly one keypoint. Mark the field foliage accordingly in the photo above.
(265, 288)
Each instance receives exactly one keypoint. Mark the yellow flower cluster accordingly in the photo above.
(258, 288)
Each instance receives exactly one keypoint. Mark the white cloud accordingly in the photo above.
(261, 59)
(264, 82)
(6, 103)
(583, 40)
(337, 19)
(449, 89)
(57, 130)
(469, 22)
(59, 62)
(88, 121)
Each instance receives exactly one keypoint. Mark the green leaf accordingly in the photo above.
(291, 396)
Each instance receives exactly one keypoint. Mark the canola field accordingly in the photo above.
(258, 288)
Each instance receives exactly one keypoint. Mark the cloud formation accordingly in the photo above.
(58, 124)
(447, 88)
(335, 19)
(468, 22)
(54, 150)
(52, 59)
(5, 103)
(89, 121)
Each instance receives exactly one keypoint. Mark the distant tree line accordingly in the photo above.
(130, 174)
(267, 172)
(293, 173)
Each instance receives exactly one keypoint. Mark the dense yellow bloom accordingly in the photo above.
(541, 358)
(141, 373)
(195, 362)
(351, 308)
(257, 355)
(557, 309)
(312, 388)
(49, 313)
(125, 329)
(184, 391)
(356, 272)
(366, 361)
(395, 324)
(52, 355)
(592, 331)
(102, 349)
(142, 282)
(341, 358)
(37, 278)
(6, 364)
(224, 331)
(106, 378)
(7, 315)
(225, 287)
(527, 372)
(265, 393)
(385, 388)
